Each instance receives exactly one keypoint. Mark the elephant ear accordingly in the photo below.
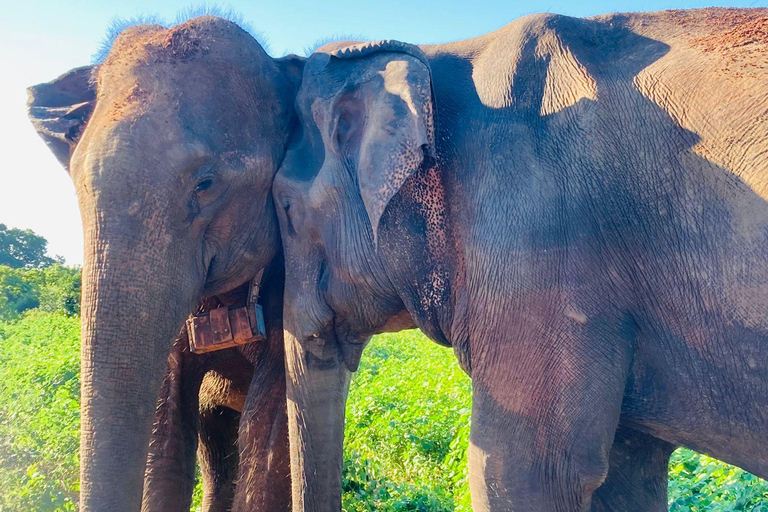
(385, 117)
(60, 109)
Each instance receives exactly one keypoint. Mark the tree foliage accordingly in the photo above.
(53, 288)
(30, 279)
(22, 248)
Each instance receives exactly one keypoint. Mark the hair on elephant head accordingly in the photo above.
(172, 143)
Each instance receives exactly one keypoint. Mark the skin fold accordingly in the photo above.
(578, 208)
(172, 144)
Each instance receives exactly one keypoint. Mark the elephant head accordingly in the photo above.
(367, 130)
(172, 143)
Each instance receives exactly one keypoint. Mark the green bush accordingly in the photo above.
(52, 288)
(39, 412)
(407, 427)
(699, 483)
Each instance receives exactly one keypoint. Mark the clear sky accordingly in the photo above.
(40, 39)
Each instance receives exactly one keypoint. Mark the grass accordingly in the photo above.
(406, 438)
(39, 412)
(407, 425)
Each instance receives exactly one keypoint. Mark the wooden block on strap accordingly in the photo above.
(222, 330)
(200, 334)
(241, 326)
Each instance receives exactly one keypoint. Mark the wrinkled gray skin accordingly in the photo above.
(202, 397)
(578, 208)
(172, 149)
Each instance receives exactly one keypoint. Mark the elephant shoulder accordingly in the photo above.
(539, 62)
(713, 82)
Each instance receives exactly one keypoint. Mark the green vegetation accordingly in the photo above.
(39, 369)
(39, 412)
(407, 417)
(22, 248)
(699, 483)
(407, 428)
(29, 279)
(407, 431)
(50, 289)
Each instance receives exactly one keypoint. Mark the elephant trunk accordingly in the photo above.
(316, 386)
(133, 306)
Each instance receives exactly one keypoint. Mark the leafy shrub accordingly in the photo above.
(407, 428)
(700, 483)
(52, 288)
(59, 289)
(39, 412)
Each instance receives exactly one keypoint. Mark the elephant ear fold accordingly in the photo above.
(59, 110)
(384, 119)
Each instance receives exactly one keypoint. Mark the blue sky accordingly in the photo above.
(39, 40)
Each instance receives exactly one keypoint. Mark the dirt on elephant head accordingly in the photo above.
(737, 30)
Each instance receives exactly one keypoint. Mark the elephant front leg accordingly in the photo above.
(218, 457)
(544, 415)
(169, 478)
(264, 483)
(637, 476)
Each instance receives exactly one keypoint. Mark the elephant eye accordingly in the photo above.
(289, 222)
(204, 185)
(323, 277)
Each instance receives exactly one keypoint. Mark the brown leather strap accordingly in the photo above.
(253, 289)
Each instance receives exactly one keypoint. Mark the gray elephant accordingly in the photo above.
(172, 143)
(577, 207)
(202, 397)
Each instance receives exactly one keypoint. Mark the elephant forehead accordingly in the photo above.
(205, 58)
(124, 103)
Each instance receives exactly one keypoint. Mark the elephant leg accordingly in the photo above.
(637, 474)
(264, 483)
(169, 477)
(544, 415)
(217, 453)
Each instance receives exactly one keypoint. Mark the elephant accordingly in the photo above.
(172, 143)
(200, 397)
(577, 207)
(203, 396)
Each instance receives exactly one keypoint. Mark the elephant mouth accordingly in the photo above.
(209, 272)
(351, 345)
(221, 278)
(214, 282)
